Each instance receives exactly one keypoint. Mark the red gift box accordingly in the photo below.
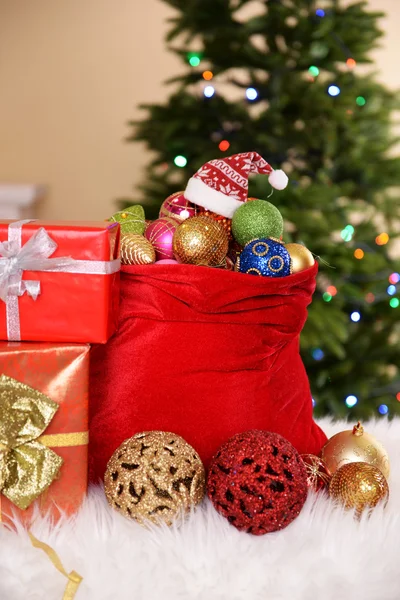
(76, 298)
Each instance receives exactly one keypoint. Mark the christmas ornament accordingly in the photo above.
(200, 241)
(131, 219)
(255, 220)
(358, 485)
(354, 445)
(318, 476)
(177, 207)
(226, 223)
(221, 185)
(136, 250)
(301, 258)
(264, 257)
(154, 476)
(258, 481)
(160, 233)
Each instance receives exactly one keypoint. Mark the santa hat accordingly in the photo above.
(221, 185)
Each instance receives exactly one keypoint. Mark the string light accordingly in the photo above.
(224, 145)
(180, 161)
(358, 253)
(394, 278)
(383, 409)
(394, 302)
(398, 396)
(209, 91)
(391, 290)
(351, 401)
(370, 297)
(208, 75)
(320, 12)
(351, 63)
(382, 239)
(194, 59)
(331, 290)
(318, 354)
(251, 93)
(347, 233)
(333, 90)
(355, 316)
(314, 71)
(327, 297)
(361, 101)
(314, 402)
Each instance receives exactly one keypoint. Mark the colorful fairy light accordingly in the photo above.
(314, 71)
(347, 233)
(351, 401)
(370, 297)
(394, 302)
(382, 239)
(251, 93)
(180, 161)
(355, 316)
(394, 278)
(391, 290)
(361, 101)
(331, 290)
(398, 396)
(327, 297)
(224, 145)
(358, 253)
(318, 354)
(351, 63)
(208, 75)
(383, 409)
(194, 59)
(314, 402)
(334, 90)
(209, 91)
(320, 12)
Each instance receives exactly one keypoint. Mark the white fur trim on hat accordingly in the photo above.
(278, 179)
(201, 194)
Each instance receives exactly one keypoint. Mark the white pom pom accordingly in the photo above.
(278, 179)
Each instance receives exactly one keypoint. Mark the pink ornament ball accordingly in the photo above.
(177, 207)
(160, 233)
(167, 261)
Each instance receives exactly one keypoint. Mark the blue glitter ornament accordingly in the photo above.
(265, 257)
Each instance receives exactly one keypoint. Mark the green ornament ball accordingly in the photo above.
(256, 219)
(131, 219)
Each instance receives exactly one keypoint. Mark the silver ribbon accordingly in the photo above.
(35, 256)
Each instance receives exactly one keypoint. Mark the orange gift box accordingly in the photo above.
(59, 281)
(60, 371)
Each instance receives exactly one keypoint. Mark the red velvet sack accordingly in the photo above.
(203, 353)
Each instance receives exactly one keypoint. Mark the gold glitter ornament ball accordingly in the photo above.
(358, 485)
(154, 476)
(200, 241)
(136, 250)
(354, 445)
(300, 257)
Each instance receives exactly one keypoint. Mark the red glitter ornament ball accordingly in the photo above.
(258, 481)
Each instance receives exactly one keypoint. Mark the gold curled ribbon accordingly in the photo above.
(74, 579)
(27, 467)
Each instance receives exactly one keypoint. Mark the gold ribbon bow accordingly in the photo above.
(27, 467)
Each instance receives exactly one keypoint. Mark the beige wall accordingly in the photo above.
(72, 72)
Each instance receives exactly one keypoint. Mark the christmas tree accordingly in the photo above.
(290, 80)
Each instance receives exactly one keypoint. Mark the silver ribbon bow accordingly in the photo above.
(35, 256)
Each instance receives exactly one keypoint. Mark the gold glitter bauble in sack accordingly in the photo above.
(354, 445)
(200, 241)
(358, 485)
(136, 250)
(154, 476)
(300, 257)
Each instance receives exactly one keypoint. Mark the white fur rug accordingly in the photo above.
(323, 555)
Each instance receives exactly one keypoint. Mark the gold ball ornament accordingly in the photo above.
(300, 257)
(200, 241)
(358, 485)
(354, 445)
(154, 476)
(136, 250)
